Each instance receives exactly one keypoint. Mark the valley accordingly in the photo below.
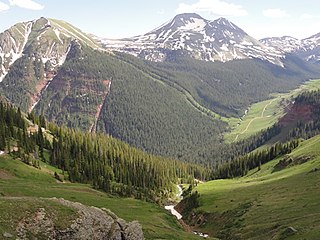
(281, 202)
(193, 130)
(264, 114)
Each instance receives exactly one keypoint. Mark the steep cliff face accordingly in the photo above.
(85, 222)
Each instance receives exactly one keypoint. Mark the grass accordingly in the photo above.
(32, 183)
(71, 30)
(264, 114)
(263, 204)
(25, 207)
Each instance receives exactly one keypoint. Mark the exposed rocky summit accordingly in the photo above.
(92, 223)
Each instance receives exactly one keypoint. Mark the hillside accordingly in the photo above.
(171, 109)
(29, 155)
(96, 159)
(26, 187)
(279, 201)
(262, 115)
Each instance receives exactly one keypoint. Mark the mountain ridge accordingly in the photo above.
(307, 48)
(217, 40)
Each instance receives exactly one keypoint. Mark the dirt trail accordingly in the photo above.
(261, 116)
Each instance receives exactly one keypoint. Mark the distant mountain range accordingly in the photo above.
(218, 40)
(308, 48)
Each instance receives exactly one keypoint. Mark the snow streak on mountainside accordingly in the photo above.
(12, 43)
(310, 49)
(200, 38)
(285, 44)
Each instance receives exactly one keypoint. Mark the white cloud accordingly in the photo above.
(4, 7)
(28, 4)
(275, 13)
(216, 7)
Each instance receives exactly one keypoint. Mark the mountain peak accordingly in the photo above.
(187, 16)
(50, 39)
(223, 22)
(187, 21)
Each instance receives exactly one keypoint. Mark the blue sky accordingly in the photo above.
(126, 18)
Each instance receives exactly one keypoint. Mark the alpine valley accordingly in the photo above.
(123, 121)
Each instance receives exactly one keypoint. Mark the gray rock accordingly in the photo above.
(133, 231)
(291, 230)
(8, 235)
(92, 223)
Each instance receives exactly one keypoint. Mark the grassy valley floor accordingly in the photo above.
(276, 202)
(264, 114)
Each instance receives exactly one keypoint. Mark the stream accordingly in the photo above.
(179, 216)
(171, 207)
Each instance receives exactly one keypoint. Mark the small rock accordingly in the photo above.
(292, 230)
(8, 235)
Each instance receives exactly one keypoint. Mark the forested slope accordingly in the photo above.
(96, 159)
(137, 108)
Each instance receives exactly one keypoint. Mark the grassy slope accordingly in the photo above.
(263, 204)
(264, 114)
(24, 181)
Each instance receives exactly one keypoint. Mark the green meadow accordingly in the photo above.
(22, 188)
(264, 114)
(267, 203)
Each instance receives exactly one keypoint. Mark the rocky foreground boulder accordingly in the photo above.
(91, 223)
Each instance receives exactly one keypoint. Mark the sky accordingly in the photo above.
(127, 18)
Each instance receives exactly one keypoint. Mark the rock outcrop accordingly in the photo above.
(91, 223)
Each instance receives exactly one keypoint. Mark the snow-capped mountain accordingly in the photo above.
(202, 39)
(285, 44)
(50, 39)
(308, 48)
(30, 54)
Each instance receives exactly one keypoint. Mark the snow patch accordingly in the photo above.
(17, 53)
(57, 32)
(195, 24)
(224, 47)
(62, 59)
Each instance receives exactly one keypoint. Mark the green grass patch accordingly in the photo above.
(75, 32)
(278, 201)
(264, 114)
(15, 210)
(27, 181)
